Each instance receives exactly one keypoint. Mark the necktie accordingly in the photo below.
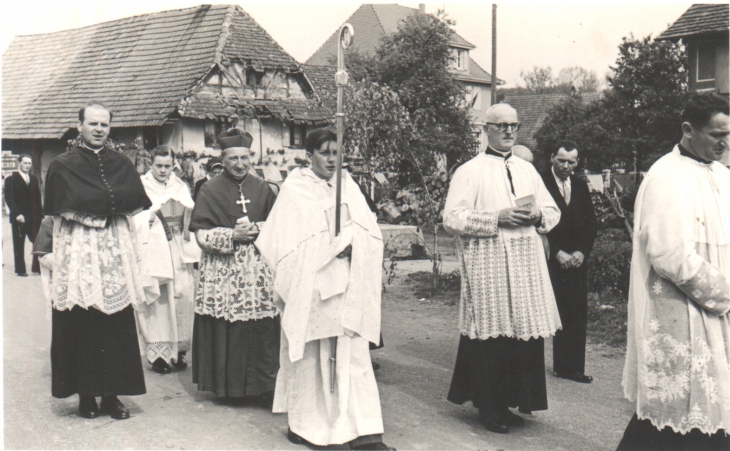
(566, 192)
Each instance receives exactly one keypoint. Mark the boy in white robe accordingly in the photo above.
(168, 252)
(328, 289)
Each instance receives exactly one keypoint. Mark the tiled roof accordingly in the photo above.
(207, 105)
(699, 19)
(322, 79)
(532, 109)
(371, 22)
(141, 67)
(294, 110)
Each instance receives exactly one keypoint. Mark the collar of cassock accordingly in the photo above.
(685, 153)
(497, 153)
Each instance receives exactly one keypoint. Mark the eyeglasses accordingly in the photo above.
(503, 126)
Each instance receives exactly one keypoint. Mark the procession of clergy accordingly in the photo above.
(284, 308)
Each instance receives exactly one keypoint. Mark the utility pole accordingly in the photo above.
(494, 53)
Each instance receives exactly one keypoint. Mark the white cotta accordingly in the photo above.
(323, 296)
(297, 243)
(165, 319)
(677, 367)
(505, 287)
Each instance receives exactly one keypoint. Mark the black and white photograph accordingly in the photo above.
(293, 225)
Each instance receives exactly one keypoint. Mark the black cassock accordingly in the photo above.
(576, 231)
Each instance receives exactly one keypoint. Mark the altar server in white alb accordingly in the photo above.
(168, 254)
(678, 355)
(328, 289)
(497, 204)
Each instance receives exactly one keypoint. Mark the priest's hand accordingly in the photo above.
(20, 219)
(244, 232)
(515, 217)
(564, 259)
(577, 259)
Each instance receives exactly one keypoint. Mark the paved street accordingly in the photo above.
(420, 347)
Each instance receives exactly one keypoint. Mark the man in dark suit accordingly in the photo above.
(23, 196)
(570, 242)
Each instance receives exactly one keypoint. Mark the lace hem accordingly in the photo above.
(694, 420)
(165, 350)
(233, 319)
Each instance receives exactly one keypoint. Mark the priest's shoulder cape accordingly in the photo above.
(102, 184)
(216, 204)
(297, 242)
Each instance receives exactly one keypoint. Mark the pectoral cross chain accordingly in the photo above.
(242, 202)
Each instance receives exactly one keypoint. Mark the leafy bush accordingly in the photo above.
(610, 263)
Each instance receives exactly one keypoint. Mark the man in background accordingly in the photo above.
(23, 196)
(570, 242)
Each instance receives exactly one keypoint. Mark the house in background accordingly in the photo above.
(704, 30)
(532, 109)
(174, 77)
(373, 21)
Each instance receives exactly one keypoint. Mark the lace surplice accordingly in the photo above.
(96, 263)
(235, 283)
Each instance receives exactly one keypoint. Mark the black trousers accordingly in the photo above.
(569, 345)
(95, 354)
(641, 435)
(20, 232)
(498, 373)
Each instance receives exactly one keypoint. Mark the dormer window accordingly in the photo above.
(461, 57)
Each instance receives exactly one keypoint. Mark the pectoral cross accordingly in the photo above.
(242, 202)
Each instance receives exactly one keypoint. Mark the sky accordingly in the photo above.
(528, 34)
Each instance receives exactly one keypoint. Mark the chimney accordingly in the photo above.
(422, 8)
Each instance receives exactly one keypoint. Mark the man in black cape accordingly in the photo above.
(92, 191)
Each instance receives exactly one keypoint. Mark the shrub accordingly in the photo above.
(610, 263)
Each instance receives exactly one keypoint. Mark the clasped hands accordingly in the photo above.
(245, 231)
(519, 217)
(568, 261)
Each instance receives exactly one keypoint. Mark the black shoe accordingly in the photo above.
(22, 274)
(299, 440)
(88, 407)
(577, 377)
(114, 407)
(494, 425)
(180, 363)
(374, 446)
(513, 420)
(161, 367)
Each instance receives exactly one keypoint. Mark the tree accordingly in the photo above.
(582, 79)
(638, 118)
(538, 80)
(405, 109)
(415, 62)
